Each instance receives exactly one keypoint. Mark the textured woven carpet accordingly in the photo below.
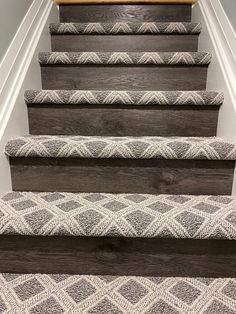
(125, 28)
(211, 148)
(128, 58)
(140, 98)
(121, 215)
(57, 294)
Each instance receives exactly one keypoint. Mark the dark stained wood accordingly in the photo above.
(116, 120)
(125, 13)
(125, 43)
(118, 256)
(122, 175)
(123, 78)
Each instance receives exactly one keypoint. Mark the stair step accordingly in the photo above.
(151, 165)
(126, 58)
(118, 113)
(106, 294)
(211, 148)
(118, 215)
(131, 98)
(119, 71)
(123, 36)
(124, 28)
(90, 13)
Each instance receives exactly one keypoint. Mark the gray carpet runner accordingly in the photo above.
(118, 215)
(103, 97)
(124, 28)
(210, 148)
(126, 58)
(57, 294)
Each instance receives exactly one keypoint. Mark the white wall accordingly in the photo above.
(20, 70)
(230, 10)
(12, 13)
(219, 38)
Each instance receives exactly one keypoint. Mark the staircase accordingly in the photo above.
(121, 197)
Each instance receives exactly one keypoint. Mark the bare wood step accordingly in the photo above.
(89, 13)
(122, 165)
(119, 113)
(125, 1)
(125, 70)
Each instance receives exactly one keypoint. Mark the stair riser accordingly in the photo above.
(125, 13)
(116, 256)
(123, 121)
(124, 78)
(122, 175)
(125, 43)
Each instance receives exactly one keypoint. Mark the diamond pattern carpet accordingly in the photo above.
(56, 294)
(120, 215)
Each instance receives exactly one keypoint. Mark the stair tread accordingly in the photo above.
(148, 147)
(126, 58)
(118, 215)
(61, 293)
(124, 28)
(108, 97)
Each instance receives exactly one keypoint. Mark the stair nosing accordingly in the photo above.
(125, 97)
(129, 147)
(123, 28)
(126, 58)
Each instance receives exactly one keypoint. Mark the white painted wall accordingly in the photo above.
(12, 13)
(219, 38)
(20, 70)
(230, 10)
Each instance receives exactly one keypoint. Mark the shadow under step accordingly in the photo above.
(127, 164)
(123, 113)
(107, 234)
(125, 13)
(125, 36)
(124, 70)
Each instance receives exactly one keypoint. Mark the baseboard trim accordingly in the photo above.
(17, 59)
(20, 71)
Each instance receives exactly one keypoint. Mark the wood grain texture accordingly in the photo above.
(125, 1)
(124, 78)
(117, 120)
(122, 175)
(118, 256)
(125, 13)
(133, 43)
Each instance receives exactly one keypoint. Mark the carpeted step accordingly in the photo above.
(124, 70)
(125, 58)
(124, 28)
(63, 293)
(154, 165)
(123, 113)
(112, 97)
(211, 148)
(118, 215)
(124, 36)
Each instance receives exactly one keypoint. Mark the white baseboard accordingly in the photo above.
(20, 70)
(219, 38)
